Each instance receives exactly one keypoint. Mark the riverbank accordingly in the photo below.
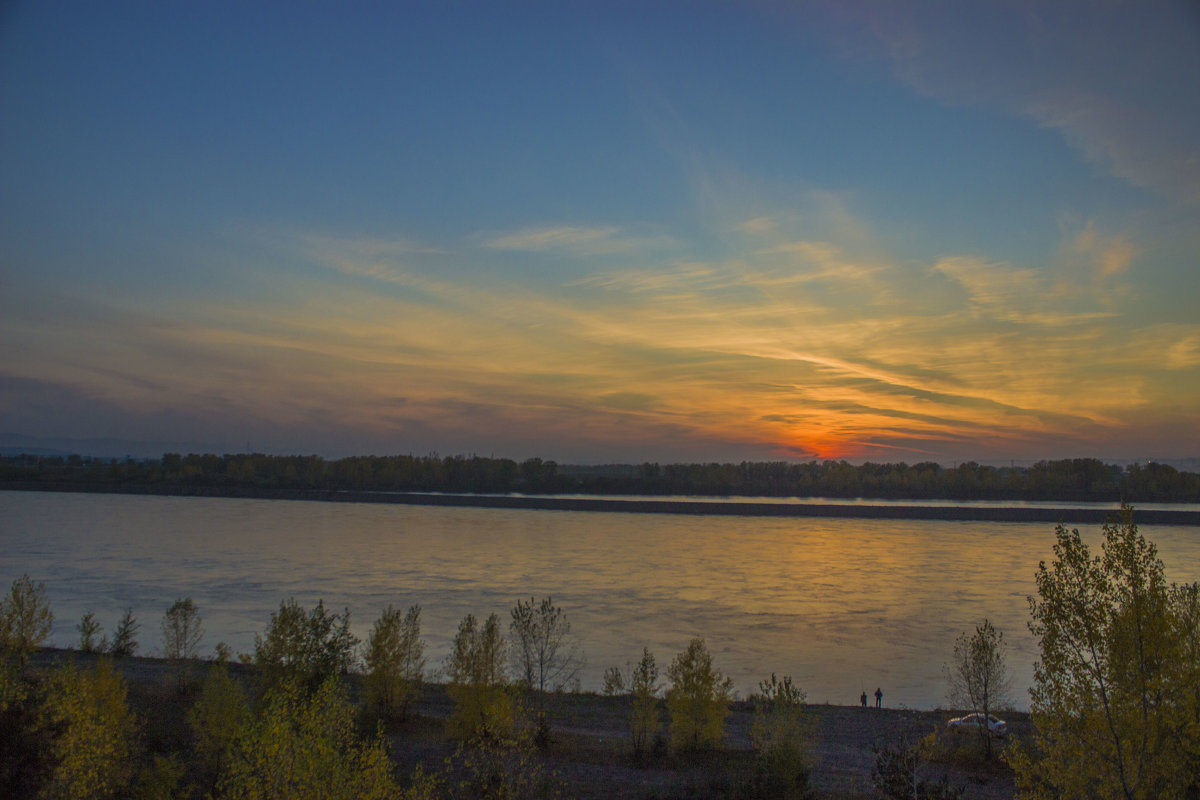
(589, 750)
(1067, 515)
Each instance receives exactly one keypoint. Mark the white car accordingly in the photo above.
(972, 722)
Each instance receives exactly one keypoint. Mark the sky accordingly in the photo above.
(603, 231)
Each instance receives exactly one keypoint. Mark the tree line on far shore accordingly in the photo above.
(1081, 479)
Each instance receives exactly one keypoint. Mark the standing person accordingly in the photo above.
(864, 698)
(878, 697)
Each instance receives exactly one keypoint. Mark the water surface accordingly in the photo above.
(841, 605)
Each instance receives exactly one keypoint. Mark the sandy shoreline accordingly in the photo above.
(649, 505)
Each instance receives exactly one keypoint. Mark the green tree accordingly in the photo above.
(780, 734)
(395, 660)
(544, 654)
(89, 628)
(614, 682)
(645, 721)
(978, 675)
(477, 682)
(698, 700)
(218, 716)
(94, 734)
(1115, 699)
(302, 745)
(25, 619)
(312, 646)
(124, 643)
(182, 631)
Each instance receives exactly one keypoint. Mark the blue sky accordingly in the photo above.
(603, 231)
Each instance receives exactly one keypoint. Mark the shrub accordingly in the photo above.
(89, 629)
(308, 646)
(395, 660)
(302, 746)
(219, 714)
(475, 668)
(182, 631)
(545, 656)
(698, 700)
(780, 733)
(93, 747)
(25, 619)
(645, 721)
(901, 773)
(124, 643)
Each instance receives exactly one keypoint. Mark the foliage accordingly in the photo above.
(978, 675)
(23, 738)
(614, 682)
(124, 643)
(1066, 479)
(160, 779)
(182, 631)
(477, 682)
(308, 646)
(901, 773)
(89, 628)
(544, 654)
(1115, 698)
(219, 714)
(25, 619)
(303, 746)
(780, 735)
(93, 745)
(645, 721)
(500, 768)
(698, 700)
(395, 660)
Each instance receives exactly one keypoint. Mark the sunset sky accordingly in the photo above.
(606, 231)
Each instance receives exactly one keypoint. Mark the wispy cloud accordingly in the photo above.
(789, 345)
(1070, 68)
(575, 240)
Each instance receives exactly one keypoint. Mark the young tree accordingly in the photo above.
(614, 681)
(124, 643)
(303, 746)
(779, 733)
(978, 675)
(25, 619)
(219, 714)
(645, 721)
(395, 660)
(1115, 699)
(182, 630)
(94, 744)
(312, 646)
(698, 700)
(477, 685)
(544, 654)
(89, 628)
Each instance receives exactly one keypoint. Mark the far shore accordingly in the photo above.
(648, 505)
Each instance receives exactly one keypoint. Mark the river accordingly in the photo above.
(841, 605)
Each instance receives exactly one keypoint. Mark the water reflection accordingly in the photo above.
(839, 604)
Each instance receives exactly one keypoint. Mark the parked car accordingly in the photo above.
(973, 722)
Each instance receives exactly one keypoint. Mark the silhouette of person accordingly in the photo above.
(864, 698)
(878, 698)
